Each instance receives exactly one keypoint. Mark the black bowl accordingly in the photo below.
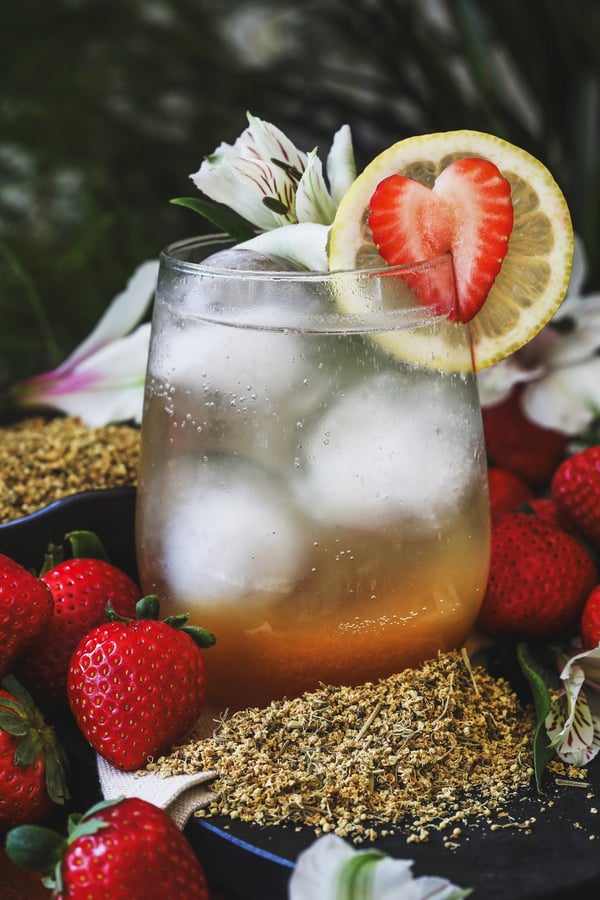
(109, 513)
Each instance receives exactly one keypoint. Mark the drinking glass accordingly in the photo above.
(312, 485)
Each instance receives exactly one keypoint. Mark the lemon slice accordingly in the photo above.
(534, 276)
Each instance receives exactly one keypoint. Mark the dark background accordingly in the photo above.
(106, 106)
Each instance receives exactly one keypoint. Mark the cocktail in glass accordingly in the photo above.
(312, 485)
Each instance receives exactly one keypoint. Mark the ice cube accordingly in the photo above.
(237, 389)
(241, 259)
(230, 533)
(391, 450)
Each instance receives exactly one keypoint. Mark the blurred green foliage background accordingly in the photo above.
(106, 106)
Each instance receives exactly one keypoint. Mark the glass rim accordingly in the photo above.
(168, 257)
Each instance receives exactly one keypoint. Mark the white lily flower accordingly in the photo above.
(331, 869)
(573, 723)
(304, 245)
(560, 366)
(102, 380)
(270, 183)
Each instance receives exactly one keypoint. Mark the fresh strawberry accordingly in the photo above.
(32, 765)
(590, 620)
(125, 849)
(546, 508)
(539, 579)
(81, 589)
(507, 492)
(576, 489)
(137, 686)
(468, 212)
(25, 610)
(516, 443)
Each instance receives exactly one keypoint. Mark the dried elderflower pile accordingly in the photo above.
(43, 460)
(427, 748)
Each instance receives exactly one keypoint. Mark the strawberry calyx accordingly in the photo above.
(20, 718)
(83, 545)
(38, 848)
(148, 609)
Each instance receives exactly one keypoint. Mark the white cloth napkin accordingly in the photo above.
(179, 795)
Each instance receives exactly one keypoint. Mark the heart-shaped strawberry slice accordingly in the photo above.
(468, 213)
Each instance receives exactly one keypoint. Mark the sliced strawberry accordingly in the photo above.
(468, 213)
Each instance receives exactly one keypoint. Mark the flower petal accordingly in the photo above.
(572, 724)
(313, 200)
(243, 186)
(330, 869)
(496, 383)
(341, 165)
(259, 172)
(265, 141)
(122, 315)
(582, 339)
(588, 660)
(573, 731)
(305, 245)
(106, 387)
(566, 399)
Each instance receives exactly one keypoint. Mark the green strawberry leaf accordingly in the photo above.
(11, 722)
(20, 693)
(56, 768)
(28, 748)
(177, 621)
(35, 847)
(148, 607)
(21, 718)
(54, 555)
(76, 819)
(200, 636)
(542, 751)
(221, 216)
(86, 545)
(113, 616)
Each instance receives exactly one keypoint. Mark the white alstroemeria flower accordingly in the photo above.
(269, 182)
(102, 380)
(560, 366)
(331, 869)
(573, 723)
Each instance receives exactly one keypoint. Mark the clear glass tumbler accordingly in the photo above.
(312, 485)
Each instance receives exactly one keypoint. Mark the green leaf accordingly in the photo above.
(113, 616)
(54, 555)
(56, 768)
(12, 723)
(542, 751)
(21, 694)
(148, 607)
(86, 545)
(200, 636)
(221, 216)
(28, 748)
(96, 808)
(89, 822)
(177, 621)
(35, 847)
